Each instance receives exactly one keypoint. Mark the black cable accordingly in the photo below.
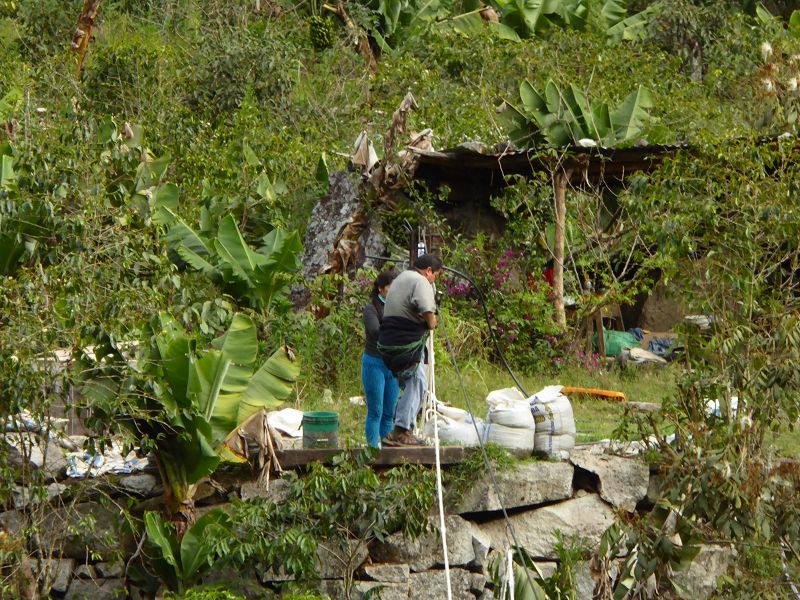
(482, 299)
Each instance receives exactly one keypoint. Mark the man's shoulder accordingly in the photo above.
(409, 275)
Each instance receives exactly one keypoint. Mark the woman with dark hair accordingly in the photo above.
(380, 386)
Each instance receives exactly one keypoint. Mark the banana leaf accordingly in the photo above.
(629, 119)
(613, 12)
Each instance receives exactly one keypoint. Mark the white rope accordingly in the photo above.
(510, 573)
(430, 396)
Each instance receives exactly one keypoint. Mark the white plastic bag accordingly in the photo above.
(555, 422)
(554, 417)
(455, 432)
(554, 445)
(518, 440)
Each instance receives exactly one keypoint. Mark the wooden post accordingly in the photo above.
(412, 247)
(560, 180)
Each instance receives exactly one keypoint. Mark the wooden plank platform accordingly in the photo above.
(386, 457)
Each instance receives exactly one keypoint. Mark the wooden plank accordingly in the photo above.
(386, 457)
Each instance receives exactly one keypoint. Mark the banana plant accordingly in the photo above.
(256, 276)
(24, 222)
(520, 19)
(182, 403)
(179, 563)
(400, 19)
(562, 117)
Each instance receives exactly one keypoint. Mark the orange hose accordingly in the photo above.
(595, 392)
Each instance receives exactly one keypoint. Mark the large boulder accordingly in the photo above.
(277, 491)
(82, 530)
(58, 572)
(585, 517)
(622, 482)
(699, 581)
(386, 572)
(23, 497)
(432, 585)
(341, 209)
(100, 589)
(27, 450)
(528, 484)
(334, 561)
(141, 484)
(466, 545)
(334, 588)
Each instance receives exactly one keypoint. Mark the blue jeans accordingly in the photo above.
(381, 390)
(408, 406)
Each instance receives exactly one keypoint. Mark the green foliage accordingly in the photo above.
(181, 562)
(525, 576)
(225, 258)
(239, 61)
(653, 549)
(47, 25)
(560, 118)
(345, 504)
(122, 67)
(210, 593)
(521, 20)
(515, 295)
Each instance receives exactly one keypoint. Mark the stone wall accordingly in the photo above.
(579, 498)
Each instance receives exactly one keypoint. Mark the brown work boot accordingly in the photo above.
(403, 437)
(389, 441)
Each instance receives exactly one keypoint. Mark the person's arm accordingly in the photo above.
(430, 319)
(371, 323)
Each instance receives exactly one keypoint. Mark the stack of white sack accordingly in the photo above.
(555, 423)
(456, 426)
(510, 422)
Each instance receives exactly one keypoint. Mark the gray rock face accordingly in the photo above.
(141, 484)
(425, 552)
(22, 495)
(654, 492)
(623, 481)
(74, 531)
(432, 585)
(334, 588)
(278, 490)
(528, 484)
(55, 463)
(386, 572)
(85, 571)
(29, 448)
(334, 561)
(388, 591)
(102, 589)
(700, 580)
(59, 571)
(109, 570)
(586, 517)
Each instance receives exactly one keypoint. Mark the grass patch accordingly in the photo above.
(595, 418)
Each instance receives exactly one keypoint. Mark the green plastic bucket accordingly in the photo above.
(320, 430)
